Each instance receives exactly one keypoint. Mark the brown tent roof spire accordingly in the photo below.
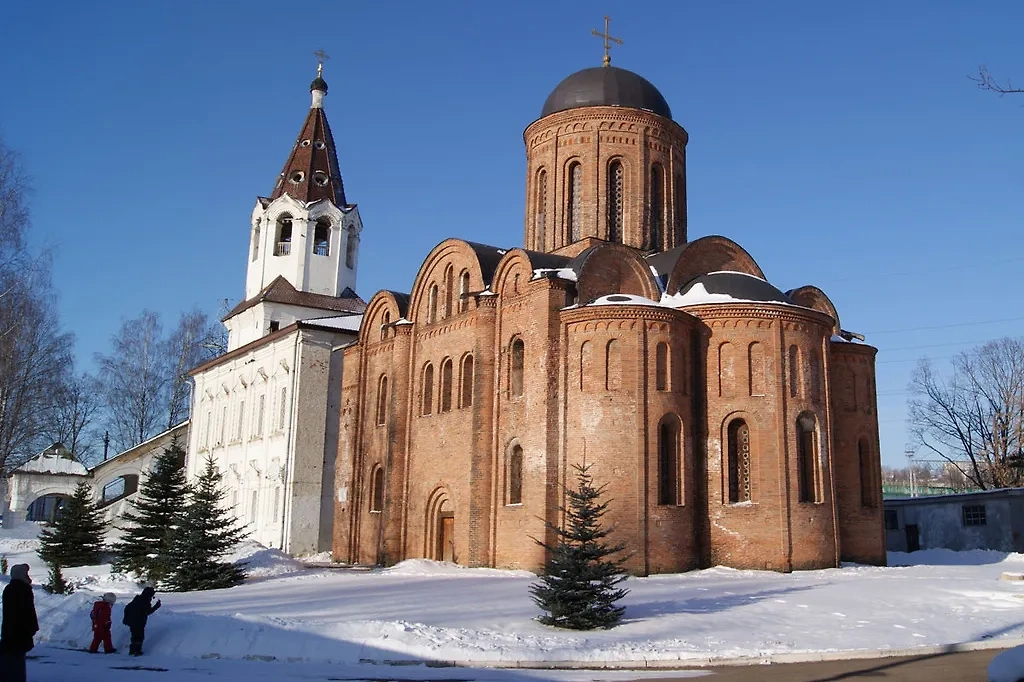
(311, 172)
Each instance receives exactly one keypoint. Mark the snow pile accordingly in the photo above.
(1007, 666)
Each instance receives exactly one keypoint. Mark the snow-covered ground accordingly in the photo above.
(330, 622)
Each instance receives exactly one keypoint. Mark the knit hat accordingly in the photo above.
(20, 572)
(110, 597)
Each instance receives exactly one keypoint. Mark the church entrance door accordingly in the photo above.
(446, 537)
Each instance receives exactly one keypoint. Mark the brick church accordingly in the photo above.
(734, 423)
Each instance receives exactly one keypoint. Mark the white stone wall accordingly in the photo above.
(273, 466)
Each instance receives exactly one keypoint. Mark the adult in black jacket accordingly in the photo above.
(136, 613)
(19, 625)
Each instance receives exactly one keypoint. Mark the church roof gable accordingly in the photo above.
(281, 291)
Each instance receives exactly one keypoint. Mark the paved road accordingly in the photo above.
(968, 666)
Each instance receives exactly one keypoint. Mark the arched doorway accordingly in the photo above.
(440, 533)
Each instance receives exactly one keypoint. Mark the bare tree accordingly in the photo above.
(35, 357)
(986, 81)
(194, 341)
(974, 419)
(74, 409)
(14, 215)
(132, 381)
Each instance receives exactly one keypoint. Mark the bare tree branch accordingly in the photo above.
(985, 81)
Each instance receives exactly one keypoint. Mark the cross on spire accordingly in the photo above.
(321, 57)
(608, 40)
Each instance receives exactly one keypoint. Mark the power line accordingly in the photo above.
(944, 326)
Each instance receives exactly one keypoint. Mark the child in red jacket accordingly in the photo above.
(101, 624)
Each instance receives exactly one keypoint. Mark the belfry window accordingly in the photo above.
(283, 243)
(515, 475)
(615, 201)
(515, 378)
(657, 221)
(574, 201)
(542, 208)
(807, 460)
(350, 250)
(739, 461)
(322, 238)
(256, 241)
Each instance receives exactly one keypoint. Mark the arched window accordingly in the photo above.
(574, 201)
(432, 304)
(466, 382)
(807, 460)
(613, 365)
(661, 367)
(464, 291)
(449, 291)
(427, 390)
(377, 489)
(515, 475)
(446, 386)
(868, 492)
(739, 461)
(668, 460)
(756, 369)
(615, 201)
(385, 324)
(657, 219)
(679, 196)
(256, 241)
(382, 400)
(794, 371)
(515, 378)
(351, 247)
(322, 238)
(542, 208)
(283, 241)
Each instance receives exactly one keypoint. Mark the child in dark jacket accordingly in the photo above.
(136, 613)
(101, 624)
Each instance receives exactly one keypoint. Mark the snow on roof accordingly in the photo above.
(559, 273)
(48, 463)
(348, 323)
(698, 295)
(623, 299)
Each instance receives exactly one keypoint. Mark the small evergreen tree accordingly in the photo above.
(207, 533)
(75, 536)
(145, 546)
(57, 584)
(577, 589)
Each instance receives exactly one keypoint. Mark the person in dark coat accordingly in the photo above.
(136, 614)
(19, 625)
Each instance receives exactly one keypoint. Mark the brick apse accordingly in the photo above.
(734, 424)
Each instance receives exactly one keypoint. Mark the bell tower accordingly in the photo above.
(306, 231)
(605, 162)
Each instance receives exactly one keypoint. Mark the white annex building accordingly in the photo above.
(267, 410)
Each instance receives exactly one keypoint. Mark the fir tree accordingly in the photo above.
(57, 584)
(145, 546)
(577, 589)
(206, 534)
(75, 536)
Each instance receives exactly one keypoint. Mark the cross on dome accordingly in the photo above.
(608, 40)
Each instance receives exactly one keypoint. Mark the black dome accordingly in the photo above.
(736, 285)
(606, 86)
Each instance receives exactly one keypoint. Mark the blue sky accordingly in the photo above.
(841, 144)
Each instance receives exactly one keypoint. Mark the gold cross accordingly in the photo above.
(321, 57)
(608, 40)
